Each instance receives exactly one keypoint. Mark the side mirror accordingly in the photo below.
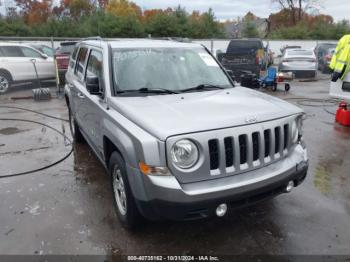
(45, 56)
(218, 52)
(93, 85)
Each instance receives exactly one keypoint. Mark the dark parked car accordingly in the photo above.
(63, 54)
(243, 55)
(324, 53)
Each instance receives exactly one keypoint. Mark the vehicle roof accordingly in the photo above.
(143, 43)
(327, 44)
(246, 39)
(13, 44)
(65, 43)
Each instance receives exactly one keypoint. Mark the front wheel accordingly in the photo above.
(124, 201)
(5, 82)
(274, 87)
(287, 87)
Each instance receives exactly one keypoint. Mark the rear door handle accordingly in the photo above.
(80, 95)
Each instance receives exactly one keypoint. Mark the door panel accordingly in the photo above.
(16, 63)
(79, 89)
(45, 66)
(94, 105)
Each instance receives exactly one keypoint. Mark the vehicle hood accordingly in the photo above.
(168, 115)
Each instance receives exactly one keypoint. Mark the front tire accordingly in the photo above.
(5, 82)
(124, 201)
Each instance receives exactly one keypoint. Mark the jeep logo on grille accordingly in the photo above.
(251, 119)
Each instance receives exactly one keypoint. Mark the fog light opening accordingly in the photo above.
(289, 186)
(221, 210)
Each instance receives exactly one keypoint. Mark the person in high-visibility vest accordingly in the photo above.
(340, 63)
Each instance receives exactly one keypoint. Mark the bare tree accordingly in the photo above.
(299, 7)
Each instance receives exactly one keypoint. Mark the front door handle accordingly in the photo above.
(80, 95)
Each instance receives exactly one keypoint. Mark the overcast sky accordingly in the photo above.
(231, 9)
(228, 9)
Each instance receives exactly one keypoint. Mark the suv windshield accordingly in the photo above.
(67, 48)
(171, 69)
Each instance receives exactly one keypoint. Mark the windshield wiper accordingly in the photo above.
(148, 91)
(202, 87)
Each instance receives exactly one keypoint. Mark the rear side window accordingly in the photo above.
(11, 51)
(79, 68)
(67, 48)
(75, 52)
(28, 52)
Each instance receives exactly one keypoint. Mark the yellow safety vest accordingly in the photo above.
(340, 62)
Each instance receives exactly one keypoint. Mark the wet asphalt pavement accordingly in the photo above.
(67, 209)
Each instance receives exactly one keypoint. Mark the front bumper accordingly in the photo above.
(168, 199)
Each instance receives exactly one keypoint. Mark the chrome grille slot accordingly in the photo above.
(214, 153)
(267, 141)
(228, 143)
(255, 138)
(243, 149)
(277, 139)
(286, 136)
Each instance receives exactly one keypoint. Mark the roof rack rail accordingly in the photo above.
(175, 39)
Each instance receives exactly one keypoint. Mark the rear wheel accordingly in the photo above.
(124, 201)
(286, 87)
(274, 87)
(76, 134)
(324, 69)
(5, 82)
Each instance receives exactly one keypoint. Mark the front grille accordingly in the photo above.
(249, 150)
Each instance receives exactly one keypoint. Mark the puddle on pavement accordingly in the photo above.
(322, 180)
(11, 130)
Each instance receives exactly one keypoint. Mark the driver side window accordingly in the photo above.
(95, 65)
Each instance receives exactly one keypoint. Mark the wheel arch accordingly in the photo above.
(108, 148)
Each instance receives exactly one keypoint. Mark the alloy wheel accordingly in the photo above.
(119, 190)
(4, 84)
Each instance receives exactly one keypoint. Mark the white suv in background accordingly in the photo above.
(16, 65)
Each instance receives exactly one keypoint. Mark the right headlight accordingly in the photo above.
(184, 153)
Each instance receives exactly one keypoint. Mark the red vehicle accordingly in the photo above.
(63, 54)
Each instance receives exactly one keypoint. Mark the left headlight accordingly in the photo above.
(184, 153)
(297, 129)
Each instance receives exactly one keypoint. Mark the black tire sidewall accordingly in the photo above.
(8, 78)
(132, 217)
(77, 136)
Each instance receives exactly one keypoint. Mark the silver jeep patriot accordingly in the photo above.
(178, 138)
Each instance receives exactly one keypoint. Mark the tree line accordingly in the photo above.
(296, 19)
(113, 18)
